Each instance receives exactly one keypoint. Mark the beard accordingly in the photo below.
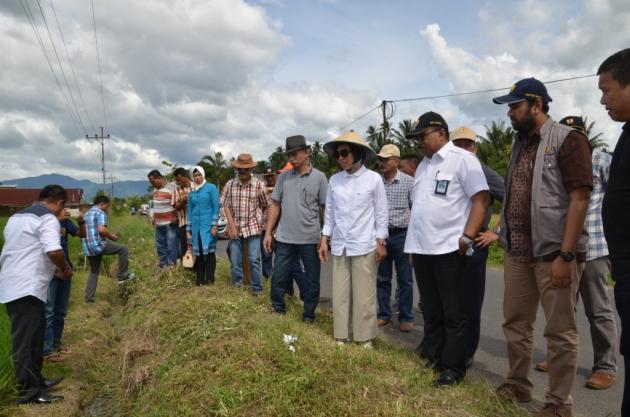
(526, 125)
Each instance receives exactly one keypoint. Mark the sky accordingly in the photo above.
(184, 78)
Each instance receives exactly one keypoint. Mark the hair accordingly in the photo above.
(618, 64)
(413, 159)
(101, 199)
(544, 108)
(181, 172)
(155, 174)
(52, 193)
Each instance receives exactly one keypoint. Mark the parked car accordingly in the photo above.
(222, 227)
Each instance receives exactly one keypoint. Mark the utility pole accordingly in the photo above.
(111, 180)
(385, 123)
(101, 139)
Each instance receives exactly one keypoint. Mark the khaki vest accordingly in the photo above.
(550, 200)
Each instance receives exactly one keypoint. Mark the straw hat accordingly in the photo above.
(244, 161)
(351, 138)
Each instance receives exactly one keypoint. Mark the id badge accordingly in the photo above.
(441, 187)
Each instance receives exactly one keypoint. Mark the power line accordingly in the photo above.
(98, 62)
(491, 90)
(74, 75)
(31, 19)
(63, 73)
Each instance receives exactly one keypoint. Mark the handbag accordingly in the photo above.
(188, 261)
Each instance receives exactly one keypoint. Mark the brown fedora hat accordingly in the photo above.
(295, 143)
(244, 161)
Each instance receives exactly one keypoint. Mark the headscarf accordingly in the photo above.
(193, 185)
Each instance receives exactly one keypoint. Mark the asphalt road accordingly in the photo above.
(491, 358)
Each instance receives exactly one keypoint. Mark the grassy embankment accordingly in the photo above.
(162, 347)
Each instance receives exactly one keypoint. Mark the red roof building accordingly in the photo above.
(13, 199)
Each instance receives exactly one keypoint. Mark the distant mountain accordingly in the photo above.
(121, 188)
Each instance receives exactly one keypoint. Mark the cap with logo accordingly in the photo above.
(389, 151)
(464, 133)
(576, 122)
(528, 88)
(426, 121)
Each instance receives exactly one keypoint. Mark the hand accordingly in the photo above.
(323, 249)
(267, 242)
(114, 237)
(80, 217)
(560, 272)
(66, 273)
(486, 238)
(463, 246)
(64, 215)
(233, 233)
(213, 231)
(380, 253)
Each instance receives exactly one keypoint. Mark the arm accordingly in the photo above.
(49, 238)
(329, 226)
(381, 220)
(189, 223)
(480, 203)
(272, 218)
(214, 206)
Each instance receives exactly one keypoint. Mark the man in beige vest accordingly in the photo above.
(548, 187)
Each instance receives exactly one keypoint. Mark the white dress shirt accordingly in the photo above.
(26, 267)
(356, 212)
(439, 215)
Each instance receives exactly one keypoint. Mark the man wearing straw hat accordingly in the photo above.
(244, 199)
(356, 223)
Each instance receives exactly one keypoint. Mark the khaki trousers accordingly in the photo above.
(354, 297)
(525, 285)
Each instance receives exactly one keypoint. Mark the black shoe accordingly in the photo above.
(43, 398)
(308, 320)
(49, 383)
(446, 379)
(432, 365)
(469, 362)
(129, 277)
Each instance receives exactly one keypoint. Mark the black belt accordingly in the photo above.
(393, 230)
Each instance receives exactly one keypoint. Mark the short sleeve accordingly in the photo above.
(575, 162)
(471, 176)
(49, 233)
(276, 195)
(323, 187)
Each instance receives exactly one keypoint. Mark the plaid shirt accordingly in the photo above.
(247, 204)
(597, 246)
(399, 199)
(93, 243)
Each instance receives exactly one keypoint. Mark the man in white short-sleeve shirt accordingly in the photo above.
(32, 250)
(450, 197)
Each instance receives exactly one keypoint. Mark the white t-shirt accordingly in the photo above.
(25, 266)
(442, 191)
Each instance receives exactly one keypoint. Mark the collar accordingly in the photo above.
(39, 203)
(444, 150)
(358, 173)
(310, 169)
(396, 178)
(251, 179)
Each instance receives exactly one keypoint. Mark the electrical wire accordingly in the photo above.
(98, 62)
(74, 75)
(63, 73)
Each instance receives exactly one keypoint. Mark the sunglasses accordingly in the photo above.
(342, 153)
(243, 169)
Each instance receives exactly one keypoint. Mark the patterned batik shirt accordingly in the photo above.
(246, 203)
(597, 246)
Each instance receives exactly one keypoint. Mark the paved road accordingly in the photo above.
(491, 359)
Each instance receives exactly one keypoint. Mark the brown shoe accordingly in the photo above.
(511, 392)
(554, 410)
(406, 326)
(542, 366)
(382, 322)
(601, 380)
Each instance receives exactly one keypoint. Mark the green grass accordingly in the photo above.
(160, 346)
(7, 380)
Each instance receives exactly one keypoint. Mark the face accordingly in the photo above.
(431, 141)
(156, 182)
(197, 177)
(388, 165)
(244, 174)
(466, 144)
(182, 181)
(521, 115)
(57, 207)
(408, 168)
(344, 157)
(615, 98)
(298, 158)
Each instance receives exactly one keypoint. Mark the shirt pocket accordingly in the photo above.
(361, 198)
(442, 185)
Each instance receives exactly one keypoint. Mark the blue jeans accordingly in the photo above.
(267, 261)
(286, 256)
(395, 254)
(167, 242)
(236, 257)
(55, 313)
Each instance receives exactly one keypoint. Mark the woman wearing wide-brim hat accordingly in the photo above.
(356, 221)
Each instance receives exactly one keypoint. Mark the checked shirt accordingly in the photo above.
(597, 246)
(247, 204)
(399, 199)
(94, 243)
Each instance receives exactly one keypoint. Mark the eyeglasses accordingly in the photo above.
(243, 169)
(342, 153)
(385, 160)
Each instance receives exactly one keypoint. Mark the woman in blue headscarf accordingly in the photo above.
(203, 216)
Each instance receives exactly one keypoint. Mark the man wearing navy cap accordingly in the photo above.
(548, 187)
(450, 199)
(614, 82)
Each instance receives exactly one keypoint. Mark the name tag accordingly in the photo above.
(441, 187)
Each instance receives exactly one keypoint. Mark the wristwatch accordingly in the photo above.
(468, 241)
(567, 256)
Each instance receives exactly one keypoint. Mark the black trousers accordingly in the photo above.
(621, 274)
(475, 290)
(205, 265)
(440, 281)
(27, 338)
(183, 241)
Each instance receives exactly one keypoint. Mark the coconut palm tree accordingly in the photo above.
(496, 146)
